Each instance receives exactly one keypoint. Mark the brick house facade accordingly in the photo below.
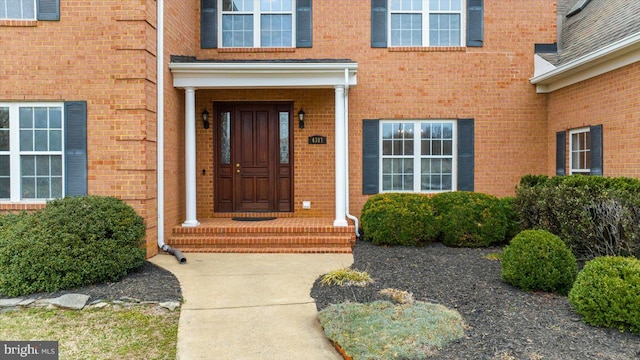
(357, 69)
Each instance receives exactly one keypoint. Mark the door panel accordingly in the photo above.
(255, 180)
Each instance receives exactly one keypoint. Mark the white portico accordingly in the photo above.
(192, 75)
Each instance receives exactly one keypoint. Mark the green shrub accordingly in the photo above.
(469, 219)
(512, 216)
(607, 293)
(72, 242)
(595, 216)
(399, 219)
(539, 260)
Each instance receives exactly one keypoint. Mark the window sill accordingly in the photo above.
(256, 50)
(18, 23)
(427, 49)
(7, 206)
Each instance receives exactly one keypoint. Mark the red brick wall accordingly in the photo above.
(180, 39)
(611, 100)
(489, 84)
(102, 52)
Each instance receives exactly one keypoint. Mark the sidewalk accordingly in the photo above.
(251, 306)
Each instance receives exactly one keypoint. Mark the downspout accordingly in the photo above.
(346, 145)
(160, 133)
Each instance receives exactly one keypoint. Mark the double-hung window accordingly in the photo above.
(31, 151)
(17, 9)
(257, 23)
(426, 22)
(580, 145)
(418, 156)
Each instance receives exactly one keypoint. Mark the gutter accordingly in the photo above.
(346, 162)
(160, 133)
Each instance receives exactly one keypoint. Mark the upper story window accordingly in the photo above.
(580, 157)
(257, 23)
(31, 151)
(426, 22)
(17, 9)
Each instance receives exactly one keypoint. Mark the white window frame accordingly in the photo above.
(425, 12)
(417, 155)
(15, 153)
(3, 3)
(256, 13)
(586, 151)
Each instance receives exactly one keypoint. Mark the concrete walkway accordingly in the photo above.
(251, 306)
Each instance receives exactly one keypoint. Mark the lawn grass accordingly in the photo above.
(138, 332)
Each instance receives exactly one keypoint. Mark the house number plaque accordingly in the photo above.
(317, 140)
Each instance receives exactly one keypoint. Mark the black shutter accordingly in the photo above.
(208, 24)
(596, 150)
(370, 157)
(561, 153)
(75, 141)
(48, 10)
(378, 23)
(465, 155)
(304, 23)
(475, 23)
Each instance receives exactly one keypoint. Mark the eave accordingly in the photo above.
(609, 58)
(261, 74)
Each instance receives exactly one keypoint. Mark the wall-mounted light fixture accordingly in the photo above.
(301, 114)
(205, 118)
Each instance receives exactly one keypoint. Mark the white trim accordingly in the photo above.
(619, 54)
(257, 12)
(15, 154)
(249, 75)
(424, 13)
(417, 154)
(571, 133)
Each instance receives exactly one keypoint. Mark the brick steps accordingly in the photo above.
(285, 235)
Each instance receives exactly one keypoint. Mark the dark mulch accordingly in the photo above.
(147, 283)
(503, 321)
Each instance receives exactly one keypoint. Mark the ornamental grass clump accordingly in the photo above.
(607, 293)
(538, 260)
(72, 242)
(346, 277)
(382, 330)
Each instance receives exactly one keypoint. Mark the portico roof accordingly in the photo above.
(243, 74)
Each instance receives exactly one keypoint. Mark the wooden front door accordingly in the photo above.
(253, 167)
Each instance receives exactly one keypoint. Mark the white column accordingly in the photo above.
(341, 173)
(190, 155)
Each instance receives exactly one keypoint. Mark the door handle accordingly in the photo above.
(237, 168)
(238, 171)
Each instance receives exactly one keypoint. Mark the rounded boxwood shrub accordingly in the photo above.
(539, 260)
(399, 219)
(469, 219)
(72, 242)
(607, 293)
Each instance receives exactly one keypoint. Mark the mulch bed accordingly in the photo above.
(503, 322)
(147, 283)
